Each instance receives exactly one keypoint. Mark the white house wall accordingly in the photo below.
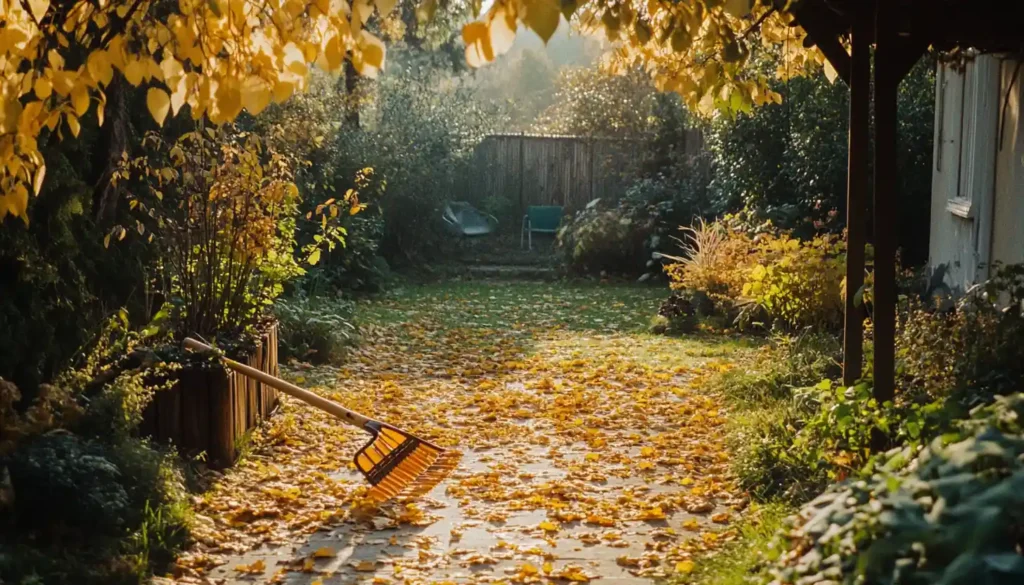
(963, 173)
(1008, 219)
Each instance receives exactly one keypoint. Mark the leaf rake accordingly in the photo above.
(393, 461)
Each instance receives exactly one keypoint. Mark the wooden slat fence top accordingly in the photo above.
(568, 137)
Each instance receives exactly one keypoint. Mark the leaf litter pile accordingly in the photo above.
(590, 449)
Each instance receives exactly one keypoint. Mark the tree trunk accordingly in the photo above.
(113, 142)
(351, 105)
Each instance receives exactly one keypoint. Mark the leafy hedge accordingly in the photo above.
(953, 515)
(315, 329)
(82, 500)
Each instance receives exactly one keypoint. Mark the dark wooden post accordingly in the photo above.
(522, 173)
(884, 301)
(856, 196)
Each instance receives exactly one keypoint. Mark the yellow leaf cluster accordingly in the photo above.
(218, 57)
(696, 48)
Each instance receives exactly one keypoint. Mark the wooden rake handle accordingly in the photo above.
(329, 406)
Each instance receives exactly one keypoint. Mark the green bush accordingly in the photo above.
(679, 314)
(62, 482)
(89, 501)
(954, 515)
(765, 465)
(788, 363)
(972, 353)
(315, 329)
(787, 162)
(767, 416)
(615, 240)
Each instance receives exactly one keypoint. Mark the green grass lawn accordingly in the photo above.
(489, 304)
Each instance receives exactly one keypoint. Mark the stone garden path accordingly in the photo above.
(590, 451)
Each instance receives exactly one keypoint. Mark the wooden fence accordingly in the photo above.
(210, 409)
(570, 171)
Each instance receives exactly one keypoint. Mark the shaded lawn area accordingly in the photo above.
(591, 309)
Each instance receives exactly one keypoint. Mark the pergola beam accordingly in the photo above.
(823, 30)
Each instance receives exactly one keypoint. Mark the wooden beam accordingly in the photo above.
(824, 28)
(826, 40)
(884, 298)
(908, 52)
(835, 53)
(856, 198)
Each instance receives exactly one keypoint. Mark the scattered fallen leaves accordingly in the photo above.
(545, 376)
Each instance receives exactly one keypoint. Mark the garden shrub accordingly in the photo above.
(953, 515)
(767, 417)
(62, 481)
(612, 240)
(89, 501)
(971, 353)
(798, 282)
(769, 276)
(315, 329)
(715, 260)
(677, 314)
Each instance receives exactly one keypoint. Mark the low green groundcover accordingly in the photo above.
(954, 514)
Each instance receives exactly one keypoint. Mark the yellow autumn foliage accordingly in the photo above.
(216, 56)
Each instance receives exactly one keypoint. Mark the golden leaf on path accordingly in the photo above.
(365, 566)
(480, 559)
(574, 573)
(628, 561)
(647, 452)
(252, 568)
(655, 513)
(317, 581)
(308, 565)
(600, 520)
(527, 569)
(691, 524)
(548, 526)
(720, 518)
(685, 567)
(325, 553)
(547, 568)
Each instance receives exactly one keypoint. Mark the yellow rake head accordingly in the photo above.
(396, 462)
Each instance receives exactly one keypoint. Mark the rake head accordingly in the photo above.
(396, 462)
